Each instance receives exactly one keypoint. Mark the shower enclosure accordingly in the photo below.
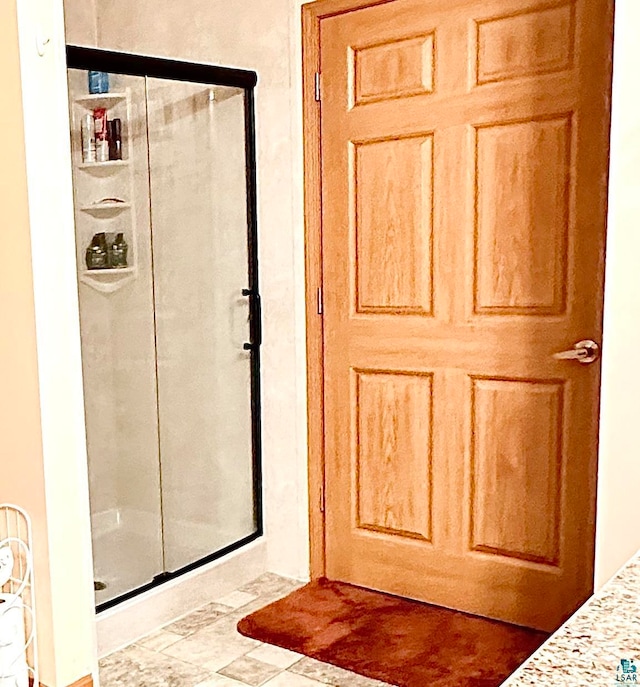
(170, 312)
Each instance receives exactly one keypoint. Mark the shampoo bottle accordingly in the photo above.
(114, 131)
(119, 249)
(88, 139)
(98, 82)
(97, 256)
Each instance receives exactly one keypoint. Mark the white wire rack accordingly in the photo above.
(17, 598)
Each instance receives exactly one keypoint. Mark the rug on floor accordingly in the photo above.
(384, 637)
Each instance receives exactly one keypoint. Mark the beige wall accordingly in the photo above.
(81, 22)
(618, 523)
(21, 466)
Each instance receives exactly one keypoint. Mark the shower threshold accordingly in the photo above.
(119, 537)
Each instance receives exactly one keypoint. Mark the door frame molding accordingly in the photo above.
(312, 15)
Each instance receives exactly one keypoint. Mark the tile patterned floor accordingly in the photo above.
(204, 649)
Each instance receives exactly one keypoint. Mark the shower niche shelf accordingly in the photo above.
(108, 280)
(106, 209)
(107, 100)
(104, 191)
(103, 167)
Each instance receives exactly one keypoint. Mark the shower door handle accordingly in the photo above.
(255, 319)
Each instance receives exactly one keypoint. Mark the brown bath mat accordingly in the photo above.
(387, 638)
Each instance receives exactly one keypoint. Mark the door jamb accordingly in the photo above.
(312, 14)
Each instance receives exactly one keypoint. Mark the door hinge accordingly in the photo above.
(320, 303)
(322, 497)
(317, 86)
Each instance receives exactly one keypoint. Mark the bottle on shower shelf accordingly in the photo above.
(98, 82)
(97, 255)
(88, 139)
(114, 135)
(118, 253)
(102, 141)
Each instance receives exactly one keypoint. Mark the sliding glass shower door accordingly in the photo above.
(170, 312)
(199, 220)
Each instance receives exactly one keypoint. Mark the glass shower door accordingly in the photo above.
(200, 246)
(170, 314)
(117, 337)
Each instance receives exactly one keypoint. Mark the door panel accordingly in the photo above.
(464, 159)
(537, 41)
(392, 184)
(527, 459)
(520, 247)
(393, 452)
(394, 69)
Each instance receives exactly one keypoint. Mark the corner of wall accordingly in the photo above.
(68, 631)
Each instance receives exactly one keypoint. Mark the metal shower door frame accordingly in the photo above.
(79, 57)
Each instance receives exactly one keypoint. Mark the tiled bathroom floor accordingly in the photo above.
(204, 649)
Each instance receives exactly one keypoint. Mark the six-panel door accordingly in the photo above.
(464, 160)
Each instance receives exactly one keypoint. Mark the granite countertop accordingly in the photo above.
(588, 649)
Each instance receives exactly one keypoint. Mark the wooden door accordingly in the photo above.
(464, 150)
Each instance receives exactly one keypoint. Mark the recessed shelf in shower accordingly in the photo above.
(109, 280)
(101, 167)
(106, 209)
(92, 100)
(104, 191)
